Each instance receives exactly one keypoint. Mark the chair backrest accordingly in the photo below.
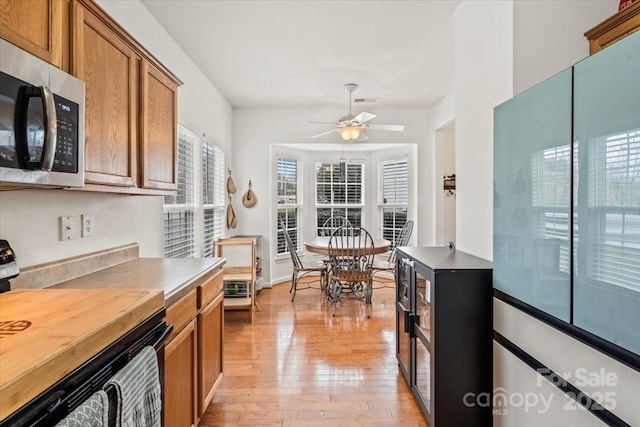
(402, 239)
(295, 259)
(332, 223)
(351, 253)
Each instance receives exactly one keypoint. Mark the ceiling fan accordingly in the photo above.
(351, 128)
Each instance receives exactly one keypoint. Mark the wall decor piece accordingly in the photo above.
(249, 199)
(232, 221)
(231, 186)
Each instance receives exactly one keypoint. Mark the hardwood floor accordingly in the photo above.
(297, 365)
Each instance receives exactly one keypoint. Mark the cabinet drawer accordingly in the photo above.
(182, 312)
(209, 289)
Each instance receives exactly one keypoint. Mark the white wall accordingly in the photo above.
(29, 219)
(483, 79)
(445, 200)
(439, 116)
(548, 36)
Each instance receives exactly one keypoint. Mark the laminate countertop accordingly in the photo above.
(176, 277)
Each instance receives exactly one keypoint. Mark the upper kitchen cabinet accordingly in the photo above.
(38, 26)
(532, 196)
(131, 107)
(159, 128)
(110, 69)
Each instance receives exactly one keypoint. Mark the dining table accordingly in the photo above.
(320, 245)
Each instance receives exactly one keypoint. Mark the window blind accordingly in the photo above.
(213, 194)
(289, 200)
(393, 198)
(339, 192)
(194, 217)
(179, 226)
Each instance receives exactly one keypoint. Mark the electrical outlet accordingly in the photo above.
(67, 228)
(88, 225)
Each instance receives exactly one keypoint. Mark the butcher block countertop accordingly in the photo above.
(176, 277)
(47, 333)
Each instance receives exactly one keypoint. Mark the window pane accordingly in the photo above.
(287, 172)
(324, 194)
(178, 234)
(185, 170)
(289, 193)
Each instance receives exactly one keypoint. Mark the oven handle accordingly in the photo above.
(163, 336)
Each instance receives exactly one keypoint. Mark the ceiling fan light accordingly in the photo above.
(350, 133)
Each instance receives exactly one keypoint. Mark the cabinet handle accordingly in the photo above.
(407, 321)
(412, 325)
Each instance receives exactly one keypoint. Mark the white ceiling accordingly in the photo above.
(301, 53)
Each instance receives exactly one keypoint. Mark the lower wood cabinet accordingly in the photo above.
(180, 379)
(193, 354)
(210, 339)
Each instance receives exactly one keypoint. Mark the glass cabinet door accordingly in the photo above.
(607, 193)
(423, 365)
(403, 309)
(532, 196)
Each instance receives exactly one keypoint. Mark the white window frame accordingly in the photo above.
(281, 184)
(341, 209)
(194, 237)
(393, 182)
(213, 194)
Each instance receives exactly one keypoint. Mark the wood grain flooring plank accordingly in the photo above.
(296, 365)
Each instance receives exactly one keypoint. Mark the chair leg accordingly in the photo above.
(294, 285)
(368, 297)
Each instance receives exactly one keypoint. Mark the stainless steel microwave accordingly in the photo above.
(41, 122)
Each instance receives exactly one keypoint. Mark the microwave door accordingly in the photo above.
(35, 128)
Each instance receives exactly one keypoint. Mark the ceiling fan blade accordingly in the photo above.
(324, 133)
(363, 117)
(395, 128)
(363, 137)
(324, 123)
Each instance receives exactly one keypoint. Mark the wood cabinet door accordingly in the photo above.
(210, 349)
(110, 69)
(159, 123)
(36, 26)
(180, 382)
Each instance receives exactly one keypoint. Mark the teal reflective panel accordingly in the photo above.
(532, 196)
(607, 193)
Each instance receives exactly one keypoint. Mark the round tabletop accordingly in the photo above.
(320, 245)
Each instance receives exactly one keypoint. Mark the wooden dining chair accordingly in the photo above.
(351, 251)
(300, 270)
(332, 223)
(388, 265)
